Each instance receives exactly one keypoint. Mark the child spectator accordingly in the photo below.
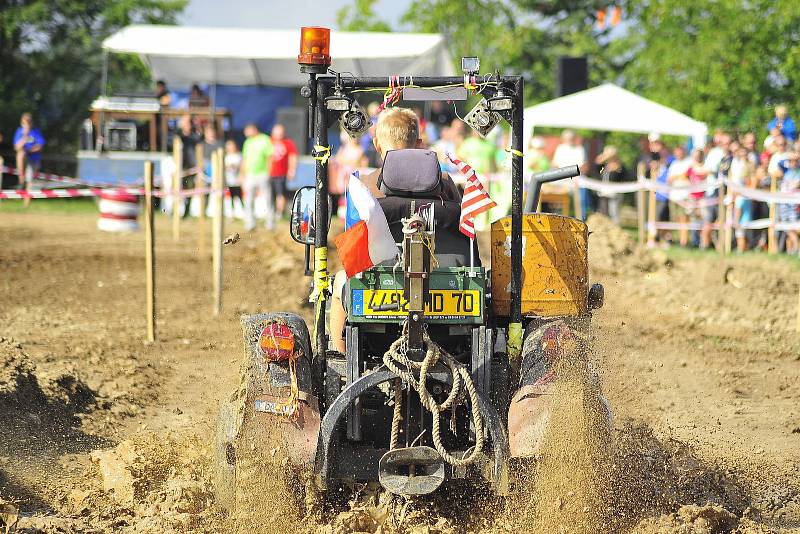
(233, 162)
(784, 123)
(28, 143)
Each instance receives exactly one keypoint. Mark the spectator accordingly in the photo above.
(254, 173)
(696, 173)
(660, 161)
(282, 167)
(28, 144)
(719, 167)
(478, 152)
(784, 123)
(190, 139)
(348, 158)
(162, 94)
(789, 212)
(535, 158)
(779, 154)
(442, 115)
(233, 163)
(571, 152)
(749, 143)
(368, 139)
(677, 175)
(742, 173)
(197, 98)
(611, 170)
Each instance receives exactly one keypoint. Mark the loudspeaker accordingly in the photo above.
(296, 124)
(572, 75)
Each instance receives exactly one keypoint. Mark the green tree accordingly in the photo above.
(725, 62)
(361, 17)
(518, 36)
(51, 59)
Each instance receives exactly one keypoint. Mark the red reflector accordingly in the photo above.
(276, 342)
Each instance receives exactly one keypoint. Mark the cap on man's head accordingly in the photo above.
(653, 137)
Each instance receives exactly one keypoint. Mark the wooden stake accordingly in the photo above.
(798, 311)
(728, 233)
(772, 238)
(216, 240)
(177, 156)
(640, 199)
(652, 233)
(149, 251)
(722, 234)
(201, 183)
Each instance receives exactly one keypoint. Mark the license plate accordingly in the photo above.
(442, 303)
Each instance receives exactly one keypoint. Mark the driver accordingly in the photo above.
(397, 128)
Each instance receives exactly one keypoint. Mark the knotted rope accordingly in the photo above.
(397, 361)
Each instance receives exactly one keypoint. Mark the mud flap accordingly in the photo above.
(411, 471)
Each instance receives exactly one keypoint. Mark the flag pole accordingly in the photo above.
(472, 254)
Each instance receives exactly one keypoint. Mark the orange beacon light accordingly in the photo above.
(315, 49)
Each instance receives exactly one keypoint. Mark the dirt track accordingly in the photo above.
(698, 356)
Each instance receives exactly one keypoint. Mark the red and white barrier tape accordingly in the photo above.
(664, 225)
(94, 192)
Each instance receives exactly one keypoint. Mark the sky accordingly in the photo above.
(286, 14)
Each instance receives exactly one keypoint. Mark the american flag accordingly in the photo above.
(475, 200)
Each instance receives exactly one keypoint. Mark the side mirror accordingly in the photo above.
(303, 223)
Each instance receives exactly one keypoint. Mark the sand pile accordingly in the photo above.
(613, 250)
(30, 395)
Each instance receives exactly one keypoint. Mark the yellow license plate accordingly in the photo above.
(441, 303)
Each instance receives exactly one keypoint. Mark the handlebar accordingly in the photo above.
(532, 202)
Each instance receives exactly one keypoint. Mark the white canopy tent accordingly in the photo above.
(613, 109)
(183, 55)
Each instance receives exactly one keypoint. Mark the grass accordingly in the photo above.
(50, 205)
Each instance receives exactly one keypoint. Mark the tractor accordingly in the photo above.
(448, 363)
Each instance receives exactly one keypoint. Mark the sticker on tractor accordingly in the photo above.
(444, 304)
(274, 407)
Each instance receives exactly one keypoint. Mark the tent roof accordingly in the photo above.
(613, 109)
(183, 55)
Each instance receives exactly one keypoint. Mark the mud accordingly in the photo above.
(102, 432)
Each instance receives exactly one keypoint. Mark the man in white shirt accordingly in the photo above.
(571, 152)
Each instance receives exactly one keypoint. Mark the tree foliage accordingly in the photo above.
(361, 17)
(51, 59)
(725, 62)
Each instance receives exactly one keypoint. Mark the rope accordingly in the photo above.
(397, 361)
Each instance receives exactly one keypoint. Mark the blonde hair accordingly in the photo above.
(397, 128)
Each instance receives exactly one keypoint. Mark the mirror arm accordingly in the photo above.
(307, 263)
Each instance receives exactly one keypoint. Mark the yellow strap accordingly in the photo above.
(514, 344)
(321, 283)
(322, 153)
(514, 152)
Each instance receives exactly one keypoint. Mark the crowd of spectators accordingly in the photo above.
(742, 160)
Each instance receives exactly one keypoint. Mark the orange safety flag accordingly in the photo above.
(601, 18)
(616, 15)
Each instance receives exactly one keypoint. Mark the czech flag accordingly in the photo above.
(367, 239)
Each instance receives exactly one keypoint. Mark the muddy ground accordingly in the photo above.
(102, 432)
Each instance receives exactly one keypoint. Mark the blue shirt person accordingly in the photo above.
(783, 122)
(28, 143)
